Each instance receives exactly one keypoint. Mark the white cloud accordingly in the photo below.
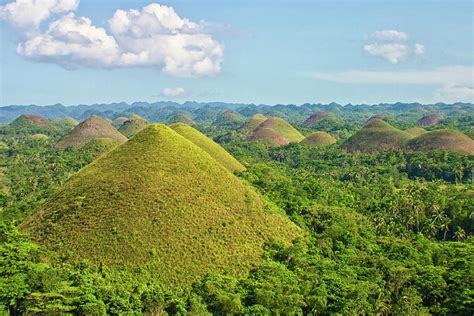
(419, 49)
(454, 83)
(72, 42)
(389, 46)
(389, 35)
(27, 15)
(173, 92)
(452, 94)
(152, 37)
(394, 52)
(157, 36)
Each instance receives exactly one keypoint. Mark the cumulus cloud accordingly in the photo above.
(391, 45)
(394, 53)
(71, 42)
(389, 35)
(27, 15)
(173, 92)
(453, 83)
(154, 36)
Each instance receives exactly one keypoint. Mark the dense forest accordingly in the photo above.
(382, 232)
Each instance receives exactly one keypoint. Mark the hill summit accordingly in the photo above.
(92, 128)
(444, 139)
(160, 203)
(319, 139)
(133, 125)
(376, 135)
(275, 131)
(208, 145)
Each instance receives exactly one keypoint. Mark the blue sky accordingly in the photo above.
(237, 51)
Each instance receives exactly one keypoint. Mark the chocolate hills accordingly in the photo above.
(229, 118)
(444, 139)
(281, 127)
(30, 125)
(161, 204)
(180, 118)
(315, 117)
(91, 128)
(69, 121)
(429, 120)
(208, 145)
(377, 135)
(252, 123)
(133, 125)
(117, 122)
(318, 139)
(269, 137)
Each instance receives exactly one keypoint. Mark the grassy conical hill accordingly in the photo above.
(415, 131)
(91, 128)
(268, 137)
(252, 123)
(319, 139)
(69, 121)
(377, 135)
(448, 140)
(283, 128)
(180, 118)
(132, 126)
(228, 118)
(117, 122)
(315, 117)
(160, 203)
(42, 137)
(31, 124)
(429, 120)
(208, 145)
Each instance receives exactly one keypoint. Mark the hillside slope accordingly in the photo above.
(160, 203)
(448, 140)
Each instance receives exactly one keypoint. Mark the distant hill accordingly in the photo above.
(375, 136)
(429, 120)
(314, 118)
(117, 122)
(92, 128)
(282, 127)
(445, 139)
(318, 139)
(252, 123)
(30, 125)
(161, 204)
(180, 118)
(208, 145)
(132, 126)
(229, 119)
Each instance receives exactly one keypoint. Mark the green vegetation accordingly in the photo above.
(158, 227)
(161, 202)
(132, 126)
(377, 135)
(26, 125)
(229, 119)
(448, 140)
(208, 145)
(92, 128)
(318, 139)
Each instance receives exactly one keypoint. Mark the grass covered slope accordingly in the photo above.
(319, 139)
(429, 120)
(92, 128)
(415, 131)
(160, 203)
(208, 145)
(447, 140)
(281, 127)
(131, 127)
(180, 118)
(252, 123)
(375, 136)
(269, 137)
(30, 125)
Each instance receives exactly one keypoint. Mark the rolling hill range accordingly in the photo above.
(208, 145)
(161, 203)
(444, 139)
(377, 135)
(92, 128)
(318, 139)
